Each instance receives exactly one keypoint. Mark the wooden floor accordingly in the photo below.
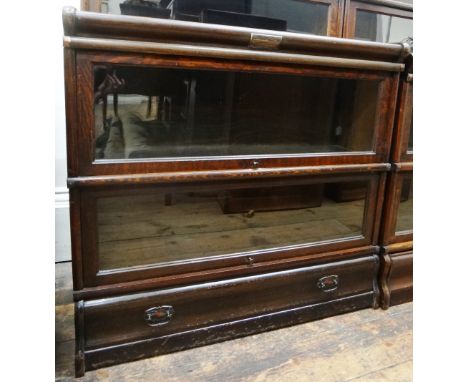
(368, 345)
(139, 230)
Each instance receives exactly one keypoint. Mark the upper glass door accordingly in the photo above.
(403, 135)
(369, 22)
(142, 112)
(371, 26)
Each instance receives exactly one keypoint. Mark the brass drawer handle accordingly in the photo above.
(328, 283)
(159, 315)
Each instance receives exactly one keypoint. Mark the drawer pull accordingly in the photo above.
(159, 315)
(328, 283)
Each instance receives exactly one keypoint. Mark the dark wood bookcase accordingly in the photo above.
(227, 180)
(361, 22)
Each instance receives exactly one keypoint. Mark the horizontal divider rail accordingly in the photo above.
(188, 176)
(90, 24)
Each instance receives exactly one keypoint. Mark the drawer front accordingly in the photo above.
(159, 313)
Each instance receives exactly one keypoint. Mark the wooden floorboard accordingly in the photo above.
(368, 345)
(132, 232)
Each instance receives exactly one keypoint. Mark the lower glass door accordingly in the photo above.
(134, 228)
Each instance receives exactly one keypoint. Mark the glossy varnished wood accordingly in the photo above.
(363, 345)
(103, 44)
(217, 175)
(143, 28)
(236, 329)
(120, 319)
(84, 125)
(396, 279)
(268, 289)
(115, 331)
(302, 258)
(211, 266)
(76, 239)
(403, 122)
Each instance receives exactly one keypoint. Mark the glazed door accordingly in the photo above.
(135, 232)
(319, 17)
(374, 21)
(398, 211)
(169, 114)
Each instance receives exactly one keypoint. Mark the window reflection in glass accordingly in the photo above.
(157, 113)
(405, 209)
(149, 227)
(378, 27)
(281, 15)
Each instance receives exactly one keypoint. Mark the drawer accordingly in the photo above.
(214, 311)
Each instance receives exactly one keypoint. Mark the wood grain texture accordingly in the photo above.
(114, 330)
(90, 166)
(186, 176)
(120, 319)
(85, 127)
(228, 331)
(400, 278)
(396, 274)
(403, 122)
(101, 44)
(96, 39)
(178, 271)
(144, 28)
(149, 283)
(366, 345)
(399, 247)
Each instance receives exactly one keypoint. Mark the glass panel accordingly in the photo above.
(155, 226)
(282, 15)
(155, 112)
(382, 28)
(405, 209)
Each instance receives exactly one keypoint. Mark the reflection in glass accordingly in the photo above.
(162, 226)
(282, 15)
(155, 112)
(382, 28)
(405, 209)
